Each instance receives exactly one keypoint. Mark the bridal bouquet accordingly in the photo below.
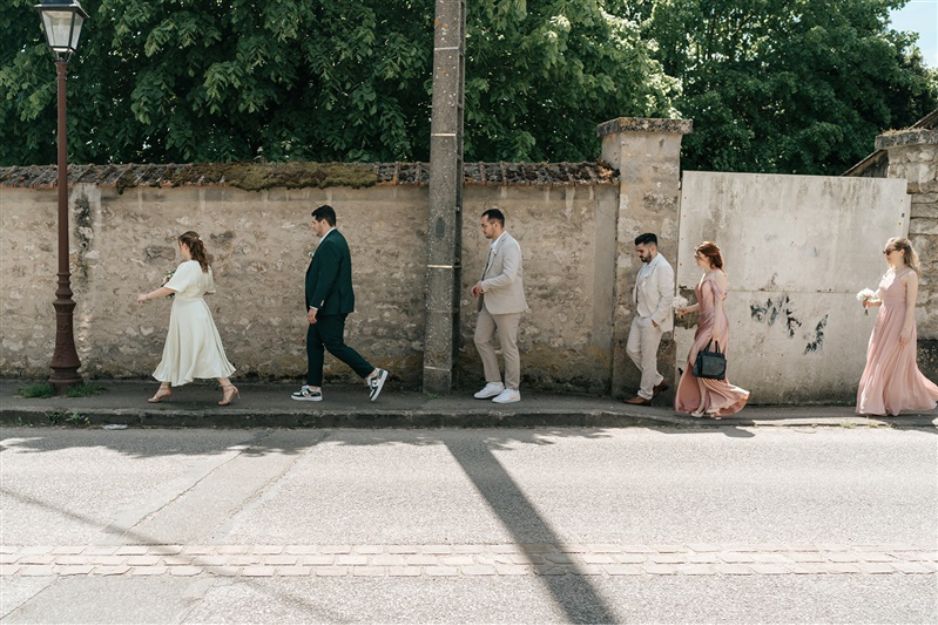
(679, 302)
(864, 296)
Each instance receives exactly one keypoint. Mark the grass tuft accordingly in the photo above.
(39, 390)
(42, 390)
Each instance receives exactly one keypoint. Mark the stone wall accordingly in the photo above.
(575, 222)
(123, 243)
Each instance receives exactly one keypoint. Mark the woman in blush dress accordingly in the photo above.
(703, 396)
(891, 381)
(193, 347)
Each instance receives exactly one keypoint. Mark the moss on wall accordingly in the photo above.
(257, 176)
(299, 175)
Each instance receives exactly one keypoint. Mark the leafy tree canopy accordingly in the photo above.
(800, 86)
(189, 80)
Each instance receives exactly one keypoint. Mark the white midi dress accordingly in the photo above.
(193, 347)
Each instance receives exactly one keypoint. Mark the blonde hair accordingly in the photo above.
(908, 254)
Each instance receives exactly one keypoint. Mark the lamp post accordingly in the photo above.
(62, 21)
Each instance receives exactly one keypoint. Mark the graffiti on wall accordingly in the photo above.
(780, 310)
(775, 309)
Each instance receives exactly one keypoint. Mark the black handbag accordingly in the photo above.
(710, 364)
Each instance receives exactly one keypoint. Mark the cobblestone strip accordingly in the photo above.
(465, 560)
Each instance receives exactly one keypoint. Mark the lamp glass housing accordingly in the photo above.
(62, 21)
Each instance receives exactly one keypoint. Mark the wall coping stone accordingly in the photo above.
(915, 136)
(297, 175)
(645, 124)
(877, 158)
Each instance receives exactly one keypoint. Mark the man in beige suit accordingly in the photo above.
(500, 295)
(652, 298)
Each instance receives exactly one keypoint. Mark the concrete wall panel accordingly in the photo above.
(797, 250)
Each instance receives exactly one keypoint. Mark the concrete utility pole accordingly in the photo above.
(444, 227)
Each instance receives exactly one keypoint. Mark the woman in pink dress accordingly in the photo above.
(891, 381)
(702, 396)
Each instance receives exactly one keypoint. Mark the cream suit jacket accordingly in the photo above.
(654, 293)
(503, 279)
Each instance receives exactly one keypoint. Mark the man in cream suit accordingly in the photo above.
(500, 295)
(652, 298)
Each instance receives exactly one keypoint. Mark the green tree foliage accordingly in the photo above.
(191, 80)
(196, 80)
(541, 76)
(800, 86)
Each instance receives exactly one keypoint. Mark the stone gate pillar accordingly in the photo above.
(647, 153)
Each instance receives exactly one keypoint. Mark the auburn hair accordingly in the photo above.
(712, 252)
(196, 248)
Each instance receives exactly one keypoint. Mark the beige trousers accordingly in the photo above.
(506, 327)
(642, 348)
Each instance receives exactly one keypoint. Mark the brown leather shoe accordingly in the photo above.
(638, 400)
(660, 388)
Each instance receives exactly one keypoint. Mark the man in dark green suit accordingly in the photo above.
(329, 300)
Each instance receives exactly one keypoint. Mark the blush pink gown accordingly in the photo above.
(891, 381)
(714, 397)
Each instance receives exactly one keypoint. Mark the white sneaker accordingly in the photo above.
(491, 390)
(508, 396)
(376, 383)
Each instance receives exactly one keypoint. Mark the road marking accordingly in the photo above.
(468, 560)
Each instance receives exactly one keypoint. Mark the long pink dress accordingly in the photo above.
(891, 381)
(713, 397)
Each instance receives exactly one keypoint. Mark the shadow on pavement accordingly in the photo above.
(574, 594)
(147, 443)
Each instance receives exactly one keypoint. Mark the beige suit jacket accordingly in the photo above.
(503, 279)
(654, 294)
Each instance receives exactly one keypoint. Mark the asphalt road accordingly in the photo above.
(654, 521)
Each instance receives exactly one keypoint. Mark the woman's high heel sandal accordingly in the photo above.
(160, 394)
(229, 392)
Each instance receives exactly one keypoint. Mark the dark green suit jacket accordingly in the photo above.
(329, 277)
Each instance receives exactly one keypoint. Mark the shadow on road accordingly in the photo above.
(574, 594)
(130, 536)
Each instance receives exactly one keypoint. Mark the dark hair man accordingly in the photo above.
(329, 300)
(652, 298)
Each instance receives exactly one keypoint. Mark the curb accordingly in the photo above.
(406, 419)
(423, 418)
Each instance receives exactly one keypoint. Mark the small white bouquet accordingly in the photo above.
(678, 303)
(864, 296)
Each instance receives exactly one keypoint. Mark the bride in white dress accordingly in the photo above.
(193, 347)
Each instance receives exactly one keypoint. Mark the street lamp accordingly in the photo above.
(62, 21)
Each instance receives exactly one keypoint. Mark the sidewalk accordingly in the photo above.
(268, 404)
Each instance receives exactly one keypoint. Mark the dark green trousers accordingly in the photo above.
(328, 333)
